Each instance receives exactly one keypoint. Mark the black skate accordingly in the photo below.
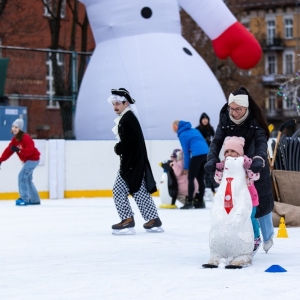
(209, 266)
(154, 225)
(125, 227)
(233, 267)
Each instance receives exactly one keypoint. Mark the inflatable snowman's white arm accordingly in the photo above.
(212, 16)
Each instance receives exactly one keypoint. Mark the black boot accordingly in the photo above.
(199, 204)
(188, 204)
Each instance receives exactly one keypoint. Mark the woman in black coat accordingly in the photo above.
(242, 117)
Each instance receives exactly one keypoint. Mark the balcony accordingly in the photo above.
(279, 114)
(272, 44)
(270, 80)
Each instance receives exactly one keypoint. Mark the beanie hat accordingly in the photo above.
(234, 143)
(177, 154)
(18, 123)
(204, 116)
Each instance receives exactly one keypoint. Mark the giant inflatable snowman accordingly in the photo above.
(231, 235)
(139, 47)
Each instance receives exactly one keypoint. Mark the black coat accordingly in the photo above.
(134, 163)
(255, 145)
(207, 132)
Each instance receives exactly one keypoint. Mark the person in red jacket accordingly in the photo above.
(23, 145)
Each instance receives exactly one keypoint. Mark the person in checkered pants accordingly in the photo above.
(135, 175)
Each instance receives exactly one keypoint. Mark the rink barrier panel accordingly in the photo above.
(76, 169)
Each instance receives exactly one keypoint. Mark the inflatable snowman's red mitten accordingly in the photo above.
(240, 45)
(247, 162)
(220, 166)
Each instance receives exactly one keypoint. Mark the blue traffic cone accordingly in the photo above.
(275, 269)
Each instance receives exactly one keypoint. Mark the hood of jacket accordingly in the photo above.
(183, 126)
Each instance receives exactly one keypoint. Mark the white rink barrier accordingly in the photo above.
(74, 169)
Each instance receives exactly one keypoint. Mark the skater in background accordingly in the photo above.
(135, 175)
(205, 128)
(23, 146)
(208, 133)
(182, 179)
(234, 147)
(195, 150)
(242, 117)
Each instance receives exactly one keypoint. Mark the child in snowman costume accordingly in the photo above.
(234, 147)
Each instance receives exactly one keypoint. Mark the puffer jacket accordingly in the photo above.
(255, 145)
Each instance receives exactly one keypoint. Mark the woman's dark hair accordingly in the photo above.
(19, 135)
(255, 110)
(207, 126)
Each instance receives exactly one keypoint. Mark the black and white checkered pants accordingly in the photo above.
(142, 198)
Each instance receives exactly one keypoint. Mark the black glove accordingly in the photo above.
(210, 166)
(14, 149)
(257, 165)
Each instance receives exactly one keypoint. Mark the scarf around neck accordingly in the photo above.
(117, 120)
(241, 120)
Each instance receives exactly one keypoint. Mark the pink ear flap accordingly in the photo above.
(227, 138)
(242, 139)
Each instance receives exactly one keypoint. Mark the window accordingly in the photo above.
(49, 4)
(288, 63)
(288, 28)
(272, 101)
(271, 64)
(51, 77)
(271, 31)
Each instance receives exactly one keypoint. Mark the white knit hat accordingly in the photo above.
(18, 123)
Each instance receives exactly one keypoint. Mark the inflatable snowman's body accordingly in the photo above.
(139, 47)
(231, 235)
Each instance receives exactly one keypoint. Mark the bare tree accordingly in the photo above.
(14, 29)
(2, 5)
(54, 9)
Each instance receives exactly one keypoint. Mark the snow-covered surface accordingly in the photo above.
(64, 249)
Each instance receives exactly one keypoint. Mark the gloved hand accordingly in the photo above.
(210, 166)
(256, 165)
(15, 149)
(220, 166)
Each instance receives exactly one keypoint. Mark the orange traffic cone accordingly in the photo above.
(282, 232)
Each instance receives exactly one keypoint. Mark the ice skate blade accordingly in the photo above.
(155, 230)
(233, 267)
(209, 266)
(125, 231)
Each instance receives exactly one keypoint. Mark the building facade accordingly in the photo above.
(46, 51)
(276, 25)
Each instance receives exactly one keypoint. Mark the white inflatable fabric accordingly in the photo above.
(139, 47)
(231, 235)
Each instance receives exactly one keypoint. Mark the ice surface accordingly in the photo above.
(64, 249)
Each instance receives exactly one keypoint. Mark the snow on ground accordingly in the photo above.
(64, 249)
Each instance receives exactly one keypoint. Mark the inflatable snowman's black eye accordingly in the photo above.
(187, 51)
(146, 12)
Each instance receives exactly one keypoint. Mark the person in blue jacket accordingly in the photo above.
(195, 150)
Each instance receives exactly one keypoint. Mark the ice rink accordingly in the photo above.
(64, 249)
